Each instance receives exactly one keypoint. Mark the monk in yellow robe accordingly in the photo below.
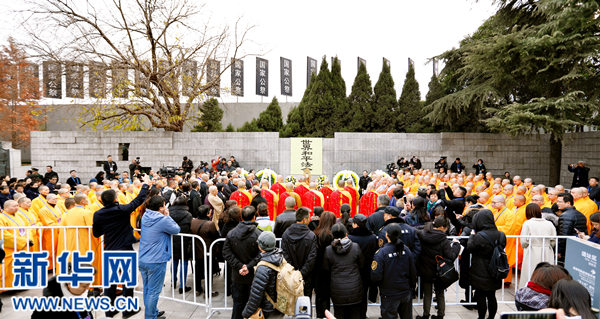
(508, 196)
(14, 239)
(516, 183)
(121, 198)
(271, 197)
(584, 204)
(513, 247)
(278, 186)
(80, 239)
(63, 194)
(242, 197)
(30, 219)
(502, 215)
(313, 198)
(92, 193)
(50, 215)
(39, 202)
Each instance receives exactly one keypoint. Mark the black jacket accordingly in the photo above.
(48, 176)
(456, 205)
(112, 166)
(195, 202)
(264, 282)
(183, 218)
(113, 222)
(257, 200)
(479, 168)
(481, 251)
(375, 221)
(457, 167)
(299, 246)
(434, 243)
(283, 221)
(368, 246)
(570, 220)
(53, 290)
(409, 236)
(439, 164)
(395, 272)
(73, 181)
(240, 249)
(594, 193)
(580, 176)
(344, 260)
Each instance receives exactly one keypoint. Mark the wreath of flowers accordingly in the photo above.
(267, 174)
(345, 175)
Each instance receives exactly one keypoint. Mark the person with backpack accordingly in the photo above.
(434, 244)
(344, 260)
(393, 268)
(486, 246)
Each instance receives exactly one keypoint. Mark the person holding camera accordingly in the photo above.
(187, 165)
(135, 165)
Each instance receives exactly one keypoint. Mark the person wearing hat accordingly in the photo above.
(409, 236)
(441, 166)
(265, 278)
(457, 166)
(35, 174)
(367, 241)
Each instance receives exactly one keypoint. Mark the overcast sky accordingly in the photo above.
(395, 29)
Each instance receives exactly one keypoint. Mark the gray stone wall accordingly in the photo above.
(526, 156)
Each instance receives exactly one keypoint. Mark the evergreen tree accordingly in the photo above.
(410, 109)
(360, 102)
(384, 102)
(436, 90)
(210, 119)
(230, 128)
(318, 112)
(294, 126)
(342, 116)
(250, 126)
(271, 120)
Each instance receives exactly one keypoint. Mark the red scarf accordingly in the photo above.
(535, 287)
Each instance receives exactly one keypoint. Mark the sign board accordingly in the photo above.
(306, 153)
(582, 260)
(286, 76)
(262, 77)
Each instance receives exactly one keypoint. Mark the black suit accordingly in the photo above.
(73, 181)
(110, 166)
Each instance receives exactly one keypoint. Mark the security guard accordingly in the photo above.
(393, 269)
(408, 235)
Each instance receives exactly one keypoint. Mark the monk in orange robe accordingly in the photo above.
(518, 218)
(301, 188)
(30, 219)
(271, 197)
(584, 204)
(326, 190)
(241, 196)
(339, 197)
(278, 187)
(50, 215)
(289, 191)
(368, 202)
(354, 194)
(313, 198)
(39, 202)
(15, 240)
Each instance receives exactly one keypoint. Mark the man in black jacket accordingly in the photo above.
(195, 199)
(113, 221)
(375, 221)
(409, 234)
(110, 168)
(580, 174)
(257, 197)
(242, 254)
(570, 222)
(457, 166)
(299, 246)
(49, 174)
(286, 218)
(594, 190)
(455, 206)
(368, 245)
(73, 180)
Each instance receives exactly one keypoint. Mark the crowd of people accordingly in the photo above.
(351, 242)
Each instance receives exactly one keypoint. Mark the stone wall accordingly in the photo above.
(584, 146)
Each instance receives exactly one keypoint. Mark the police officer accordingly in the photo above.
(409, 237)
(393, 269)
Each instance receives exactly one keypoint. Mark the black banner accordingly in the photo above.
(189, 77)
(286, 76)
(119, 80)
(52, 79)
(213, 77)
(311, 67)
(74, 79)
(237, 77)
(359, 61)
(262, 77)
(97, 79)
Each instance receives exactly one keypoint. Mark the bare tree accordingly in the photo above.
(163, 43)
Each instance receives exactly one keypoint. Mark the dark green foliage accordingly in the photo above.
(295, 119)
(210, 119)
(230, 128)
(250, 126)
(341, 115)
(271, 120)
(384, 102)
(410, 113)
(319, 109)
(436, 90)
(360, 102)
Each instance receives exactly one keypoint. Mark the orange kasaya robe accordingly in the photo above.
(37, 204)
(587, 207)
(242, 197)
(278, 188)
(272, 201)
(313, 198)
(301, 189)
(14, 240)
(283, 196)
(50, 216)
(32, 220)
(326, 191)
(368, 203)
(512, 244)
(336, 199)
(354, 194)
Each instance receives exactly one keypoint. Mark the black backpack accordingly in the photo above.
(498, 267)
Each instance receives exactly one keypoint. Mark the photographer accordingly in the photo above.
(187, 165)
(135, 165)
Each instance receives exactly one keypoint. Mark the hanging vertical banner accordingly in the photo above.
(97, 80)
(52, 79)
(306, 153)
(311, 68)
(360, 61)
(74, 79)
(119, 80)
(189, 77)
(29, 83)
(387, 62)
(237, 77)
(262, 77)
(213, 78)
(286, 76)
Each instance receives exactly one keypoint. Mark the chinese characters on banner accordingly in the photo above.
(237, 77)
(361, 61)
(97, 80)
(119, 80)
(74, 74)
(286, 76)
(262, 77)
(213, 78)
(306, 153)
(311, 68)
(52, 79)
(189, 77)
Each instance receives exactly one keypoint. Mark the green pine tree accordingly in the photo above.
(271, 120)
(410, 109)
(230, 128)
(250, 126)
(360, 102)
(341, 116)
(436, 90)
(210, 118)
(294, 126)
(384, 102)
(318, 112)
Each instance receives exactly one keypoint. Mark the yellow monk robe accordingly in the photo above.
(509, 202)
(121, 198)
(80, 239)
(503, 219)
(587, 207)
(14, 241)
(60, 204)
(92, 196)
(133, 220)
(37, 204)
(272, 202)
(354, 194)
(512, 244)
(129, 196)
(368, 203)
(50, 216)
(31, 220)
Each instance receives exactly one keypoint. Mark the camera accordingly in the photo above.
(303, 308)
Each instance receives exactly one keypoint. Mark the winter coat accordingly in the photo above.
(456, 205)
(434, 243)
(155, 242)
(536, 250)
(264, 282)
(299, 246)
(481, 251)
(409, 235)
(580, 176)
(464, 264)
(394, 271)
(344, 261)
(183, 218)
(570, 220)
(368, 246)
(207, 230)
(240, 249)
(375, 221)
(283, 221)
